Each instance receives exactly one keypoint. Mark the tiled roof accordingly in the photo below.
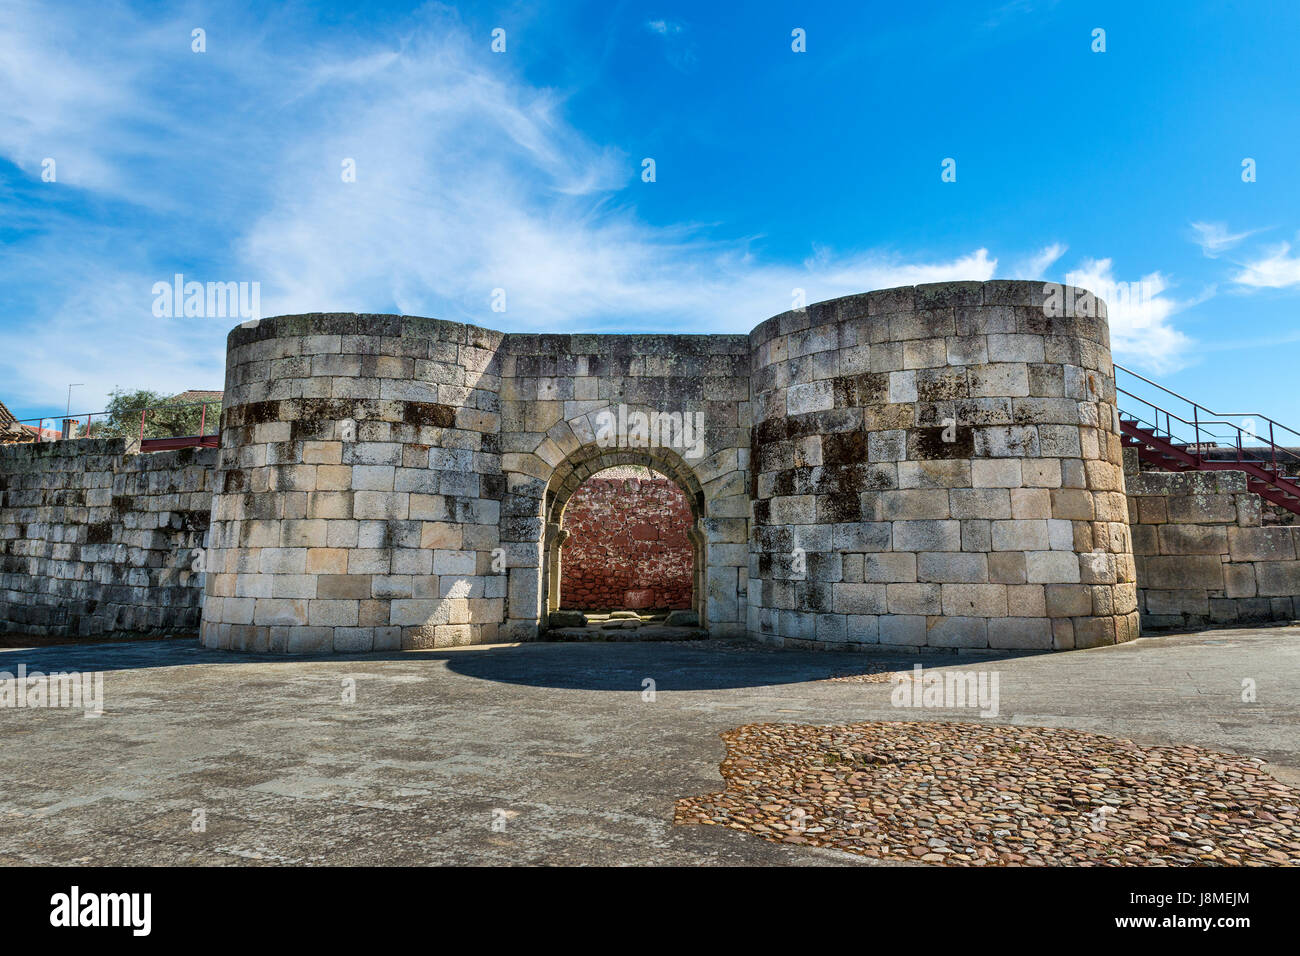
(11, 431)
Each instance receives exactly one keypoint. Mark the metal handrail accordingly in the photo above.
(88, 416)
(1197, 425)
(1189, 401)
(1200, 440)
(1169, 416)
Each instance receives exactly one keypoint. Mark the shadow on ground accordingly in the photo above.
(621, 666)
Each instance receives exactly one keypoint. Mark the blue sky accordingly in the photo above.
(521, 170)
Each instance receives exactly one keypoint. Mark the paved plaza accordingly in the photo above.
(540, 753)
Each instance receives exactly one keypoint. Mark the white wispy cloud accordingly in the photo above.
(1140, 314)
(55, 96)
(1214, 238)
(469, 179)
(1276, 269)
(663, 27)
(678, 47)
(92, 333)
(1036, 266)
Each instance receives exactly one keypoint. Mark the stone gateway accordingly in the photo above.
(937, 466)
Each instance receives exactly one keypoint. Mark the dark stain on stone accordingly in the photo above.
(311, 429)
(816, 596)
(99, 533)
(939, 385)
(927, 444)
(192, 520)
(844, 448)
(257, 413)
(260, 507)
(429, 413)
(854, 391)
(841, 507)
(492, 487)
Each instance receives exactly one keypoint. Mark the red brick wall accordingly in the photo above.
(627, 545)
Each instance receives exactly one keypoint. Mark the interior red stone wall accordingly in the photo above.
(627, 544)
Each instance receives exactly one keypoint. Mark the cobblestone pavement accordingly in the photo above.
(970, 795)
(540, 753)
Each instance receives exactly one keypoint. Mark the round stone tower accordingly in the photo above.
(359, 488)
(939, 466)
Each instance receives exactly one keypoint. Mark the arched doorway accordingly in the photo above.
(591, 460)
(628, 546)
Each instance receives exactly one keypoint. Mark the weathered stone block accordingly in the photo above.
(1260, 544)
(1202, 509)
(939, 566)
(958, 632)
(1278, 579)
(913, 504)
(995, 473)
(909, 599)
(1192, 539)
(1184, 601)
(889, 567)
(1026, 600)
(1020, 535)
(1182, 571)
(1094, 631)
(974, 600)
(926, 536)
(983, 503)
(906, 630)
(1021, 634)
(1052, 567)
(859, 598)
(1068, 600)
(1031, 503)
(1007, 567)
(1239, 580)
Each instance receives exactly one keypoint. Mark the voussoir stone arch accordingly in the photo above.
(592, 459)
(561, 398)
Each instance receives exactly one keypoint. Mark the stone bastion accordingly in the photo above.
(927, 467)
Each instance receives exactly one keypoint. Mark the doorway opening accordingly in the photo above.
(625, 551)
(629, 545)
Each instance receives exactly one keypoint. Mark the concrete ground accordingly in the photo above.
(555, 741)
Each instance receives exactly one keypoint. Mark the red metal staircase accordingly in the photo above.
(1210, 441)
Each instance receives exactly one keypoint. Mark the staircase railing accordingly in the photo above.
(1211, 427)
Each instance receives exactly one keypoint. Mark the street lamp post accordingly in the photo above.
(67, 426)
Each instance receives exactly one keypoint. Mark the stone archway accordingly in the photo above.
(589, 460)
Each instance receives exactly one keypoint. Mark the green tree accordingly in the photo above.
(122, 419)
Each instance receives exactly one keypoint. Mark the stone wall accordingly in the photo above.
(95, 539)
(1203, 555)
(927, 467)
(938, 466)
(628, 545)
